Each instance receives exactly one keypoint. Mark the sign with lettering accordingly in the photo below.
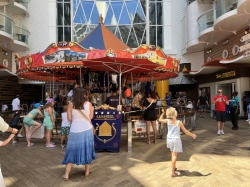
(108, 130)
(140, 126)
(225, 75)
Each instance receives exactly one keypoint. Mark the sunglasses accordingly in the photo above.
(219, 92)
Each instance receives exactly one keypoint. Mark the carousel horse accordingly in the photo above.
(136, 102)
(95, 98)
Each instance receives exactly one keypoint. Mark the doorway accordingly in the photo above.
(227, 89)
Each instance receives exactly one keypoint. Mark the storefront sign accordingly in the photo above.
(140, 126)
(225, 75)
(108, 130)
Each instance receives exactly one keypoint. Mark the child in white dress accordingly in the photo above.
(173, 136)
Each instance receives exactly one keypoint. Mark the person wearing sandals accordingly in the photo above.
(65, 126)
(203, 104)
(29, 121)
(49, 121)
(150, 116)
(173, 136)
(80, 147)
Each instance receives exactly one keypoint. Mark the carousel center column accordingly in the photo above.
(162, 87)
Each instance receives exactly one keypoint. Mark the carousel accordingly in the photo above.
(103, 59)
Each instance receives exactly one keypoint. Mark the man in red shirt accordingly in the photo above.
(220, 109)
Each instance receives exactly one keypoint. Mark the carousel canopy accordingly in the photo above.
(101, 38)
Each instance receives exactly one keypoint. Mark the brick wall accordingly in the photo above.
(218, 49)
(9, 58)
(9, 88)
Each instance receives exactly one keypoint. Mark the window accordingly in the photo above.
(63, 20)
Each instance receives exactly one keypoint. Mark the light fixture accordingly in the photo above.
(209, 51)
(247, 31)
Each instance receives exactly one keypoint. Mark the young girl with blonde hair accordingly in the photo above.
(173, 136)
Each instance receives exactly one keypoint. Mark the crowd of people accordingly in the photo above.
(77, 130)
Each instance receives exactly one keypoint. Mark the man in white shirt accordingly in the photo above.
(16, 104)
(70, 94)
(4, 108)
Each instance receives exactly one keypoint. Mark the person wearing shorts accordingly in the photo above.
(220, 102)
(29, 121)
(49, 121)
(65, 127)
(203, 104)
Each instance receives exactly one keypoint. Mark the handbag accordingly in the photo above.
(85, 117)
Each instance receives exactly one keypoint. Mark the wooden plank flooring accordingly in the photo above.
(210, 160)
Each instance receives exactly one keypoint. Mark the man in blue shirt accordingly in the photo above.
(168, 99)
(234, 104)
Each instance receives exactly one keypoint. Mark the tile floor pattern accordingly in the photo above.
(210, 160)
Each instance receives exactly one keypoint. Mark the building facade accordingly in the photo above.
(220, 30)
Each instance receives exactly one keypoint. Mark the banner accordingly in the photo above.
(140, 126)
(108, 130)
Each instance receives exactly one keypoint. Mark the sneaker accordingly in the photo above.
(222, 132)
(62, 146)
(218, 133)
(20, 136)
(248, 120)
(14, 142)
(51, 143)
(50, 146)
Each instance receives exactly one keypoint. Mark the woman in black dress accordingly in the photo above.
(149, 106)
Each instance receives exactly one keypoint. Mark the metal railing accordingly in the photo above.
(6, 24)
(223, 6)
(25, 3)
(21, 34)
(206, 20)
(190, 1)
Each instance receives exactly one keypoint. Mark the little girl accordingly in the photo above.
(65, 127)
(173, 136)
(3, 144)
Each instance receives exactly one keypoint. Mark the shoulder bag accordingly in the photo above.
(149, 105)
(87, 118)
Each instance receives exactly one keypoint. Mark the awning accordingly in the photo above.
(5, 73)
(181, 79)
(241, 59)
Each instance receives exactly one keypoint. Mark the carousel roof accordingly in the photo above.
(101, 38)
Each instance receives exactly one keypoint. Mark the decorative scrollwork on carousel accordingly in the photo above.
(105, 130)
(62, 44)
(105, 107)
(28, 61)
(53, 45)
(110, 52)
(17, 61)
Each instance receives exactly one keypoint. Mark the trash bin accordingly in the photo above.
(108, 130)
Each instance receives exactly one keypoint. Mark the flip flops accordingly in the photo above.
(31, 144)
(65, 179)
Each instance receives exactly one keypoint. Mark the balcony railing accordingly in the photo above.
(25, 3)
(21, 34)
(206, 20)
(190, 1)
(6, 24)
(223, 6)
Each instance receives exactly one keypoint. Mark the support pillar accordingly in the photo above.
(162, 87)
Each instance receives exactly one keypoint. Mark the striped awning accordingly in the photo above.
(181, 79)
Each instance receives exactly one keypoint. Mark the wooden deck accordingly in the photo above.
(209, 160)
